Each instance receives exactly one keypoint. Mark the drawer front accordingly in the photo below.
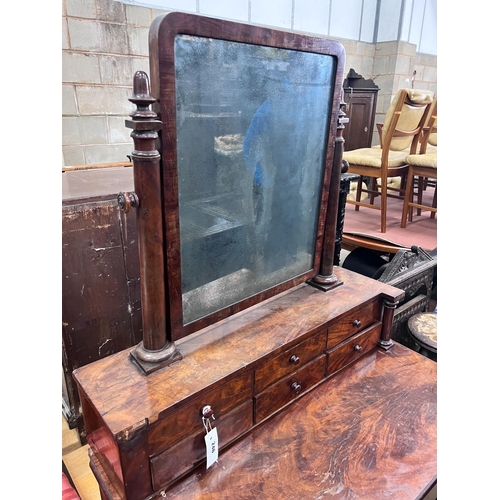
(289, 361)
(356, 321)
(354, 348)
(187, 419)
(289, 388)
(189, 453)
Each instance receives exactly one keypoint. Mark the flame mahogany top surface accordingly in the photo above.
(123, 396)
(368, 433)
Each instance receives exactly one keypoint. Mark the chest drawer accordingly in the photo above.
(289, 388)
(352, 349)
(357, 320)
(187, 419)
(181, 458)
(289, 361)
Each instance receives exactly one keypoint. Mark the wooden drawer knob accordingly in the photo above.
(356, 323)
(295, 359)
(296, 387)
(358, 348)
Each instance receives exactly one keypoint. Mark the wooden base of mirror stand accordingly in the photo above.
(150, 361)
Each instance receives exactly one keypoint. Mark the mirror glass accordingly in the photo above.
(252, 127)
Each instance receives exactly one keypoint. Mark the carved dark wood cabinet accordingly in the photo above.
(256, 348)
(413, 270)
(360, 96)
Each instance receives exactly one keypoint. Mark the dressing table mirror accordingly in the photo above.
(237, 161)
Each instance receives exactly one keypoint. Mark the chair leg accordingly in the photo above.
(420, 191)
(412, 197)
(434, 202)
(402, 187)
(408, 196)
(358, 192)
(372, 187)
(383, 206)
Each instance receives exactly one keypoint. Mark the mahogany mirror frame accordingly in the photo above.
(162, 98)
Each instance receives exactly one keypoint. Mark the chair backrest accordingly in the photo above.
(405, 118)
(429, 135)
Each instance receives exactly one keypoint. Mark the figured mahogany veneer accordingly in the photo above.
(178, 424)
(183, 457)
(350, 350)
(368, 433)
(281, 393)
(145, 432)
(354, 322)
(289, 361)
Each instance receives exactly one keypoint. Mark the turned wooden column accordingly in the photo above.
(388, 310)
(327, 279)
(157, 349)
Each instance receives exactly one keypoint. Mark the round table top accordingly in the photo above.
(423, 327)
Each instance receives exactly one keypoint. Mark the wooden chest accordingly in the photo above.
(101, 300)
(146, 433)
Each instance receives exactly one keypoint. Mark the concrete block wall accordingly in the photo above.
(393, 67)
(104, 42)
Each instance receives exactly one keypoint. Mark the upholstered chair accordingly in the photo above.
(401, 130)
(421, 168)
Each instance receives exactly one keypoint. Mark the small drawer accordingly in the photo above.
(187, 419)
(289, 388)
(180, 459)
(289, 361)
(354, 322)
(354, 348)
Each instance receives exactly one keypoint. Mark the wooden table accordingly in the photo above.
(368, 433)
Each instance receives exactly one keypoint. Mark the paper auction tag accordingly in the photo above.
(212, 444)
